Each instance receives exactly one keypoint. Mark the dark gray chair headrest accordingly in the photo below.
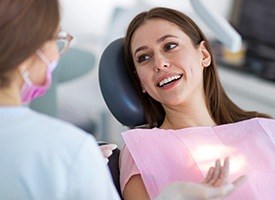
(117, 88)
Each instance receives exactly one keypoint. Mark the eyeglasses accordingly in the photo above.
(63, 41)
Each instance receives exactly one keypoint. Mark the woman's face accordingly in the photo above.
(168, 65)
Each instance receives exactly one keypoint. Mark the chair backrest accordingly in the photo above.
(117, 88)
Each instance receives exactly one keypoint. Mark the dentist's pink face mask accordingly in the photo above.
(30, 91)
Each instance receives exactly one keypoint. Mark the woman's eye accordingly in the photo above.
(142, 58)
(170, 46)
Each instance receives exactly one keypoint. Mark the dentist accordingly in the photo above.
(41, 157)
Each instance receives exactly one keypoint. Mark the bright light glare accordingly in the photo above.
(206, 156)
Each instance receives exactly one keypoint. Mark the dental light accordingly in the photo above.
(225, 33)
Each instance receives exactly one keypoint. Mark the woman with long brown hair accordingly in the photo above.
(192, 120)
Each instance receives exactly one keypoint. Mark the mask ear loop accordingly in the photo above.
(42, 57)
(26, 77)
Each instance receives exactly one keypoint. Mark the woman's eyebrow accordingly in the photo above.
(161, 39)
(140, 49)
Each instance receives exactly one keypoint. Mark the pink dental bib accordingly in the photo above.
(166, 156)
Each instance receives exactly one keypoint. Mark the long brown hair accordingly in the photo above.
(25, 25)
(221, 108)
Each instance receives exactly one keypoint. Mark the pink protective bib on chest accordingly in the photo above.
(166, 156)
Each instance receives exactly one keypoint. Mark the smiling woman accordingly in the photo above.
(193, 121)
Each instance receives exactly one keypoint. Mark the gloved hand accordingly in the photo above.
(107, 150)
(215, 186)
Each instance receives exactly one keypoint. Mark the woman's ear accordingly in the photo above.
(143, 89)
(206, 57)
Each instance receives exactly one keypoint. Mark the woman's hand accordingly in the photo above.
(107, 150)
(214, 186)
(216, 181)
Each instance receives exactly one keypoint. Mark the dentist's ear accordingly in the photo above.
(206, 57)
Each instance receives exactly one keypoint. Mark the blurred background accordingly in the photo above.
(248, 75)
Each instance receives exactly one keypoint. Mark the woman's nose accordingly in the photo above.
(160, 63)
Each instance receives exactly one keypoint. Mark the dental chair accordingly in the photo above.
(118, 93)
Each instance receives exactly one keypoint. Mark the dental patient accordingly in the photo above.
(192, 120)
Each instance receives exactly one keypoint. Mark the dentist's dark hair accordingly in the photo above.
(25, 25)
(222, 109)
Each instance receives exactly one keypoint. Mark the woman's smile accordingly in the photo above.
(168, 82)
